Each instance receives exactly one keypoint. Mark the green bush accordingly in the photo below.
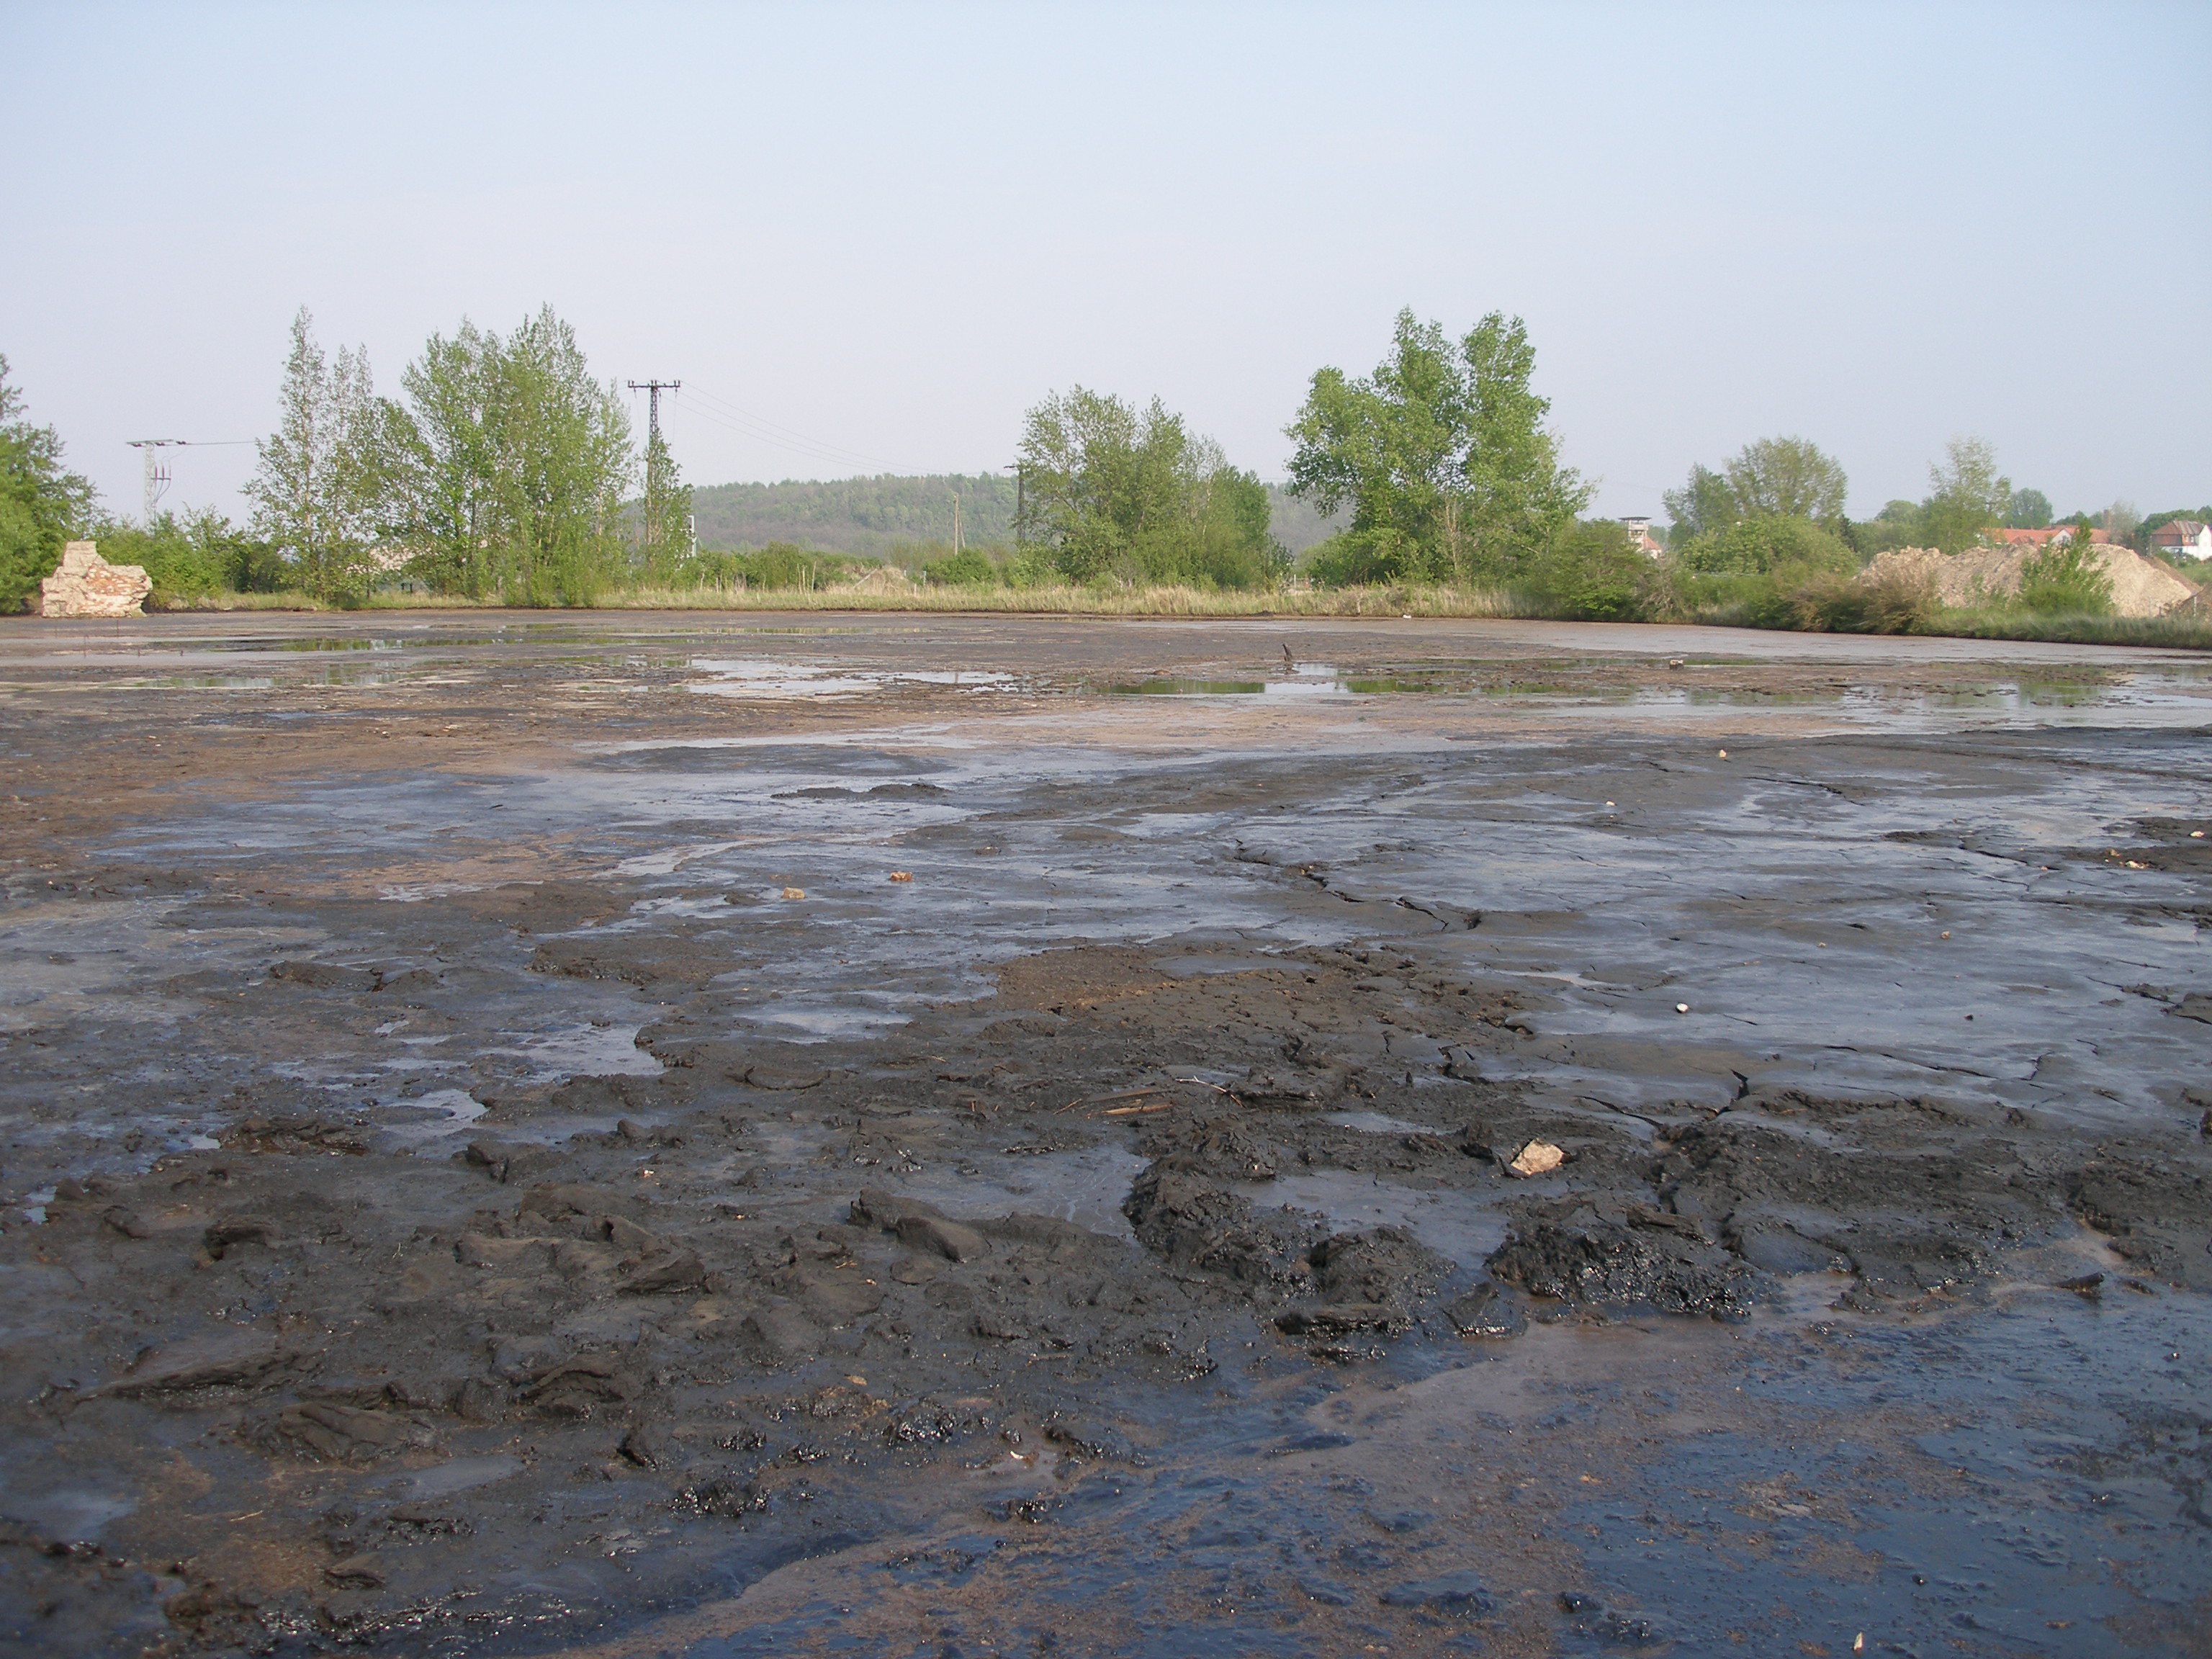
(194, 557)
(969, 568)
(1593, 571)
(1349, 560)
(2066, 579)
(778, 565)
(1758, 546)
(1033, 566)
(1827, 603)
(28, 553)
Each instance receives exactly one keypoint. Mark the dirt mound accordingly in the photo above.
(1982, 575)
(884, 579)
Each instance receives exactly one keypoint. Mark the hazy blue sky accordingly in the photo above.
(890, 230)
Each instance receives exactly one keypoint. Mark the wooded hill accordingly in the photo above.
(885, 516)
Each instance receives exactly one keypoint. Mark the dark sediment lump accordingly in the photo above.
(458, 1203)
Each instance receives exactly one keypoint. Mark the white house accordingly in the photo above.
(2188, 538)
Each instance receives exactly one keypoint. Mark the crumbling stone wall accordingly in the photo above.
(86, 585)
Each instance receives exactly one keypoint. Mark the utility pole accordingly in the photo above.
(652, 389)
(956, 521)
(157, 469)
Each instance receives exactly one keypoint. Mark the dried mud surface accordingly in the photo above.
(630, 1136)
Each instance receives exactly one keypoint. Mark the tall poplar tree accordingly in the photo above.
(442, 487)
(665, 532)
(563, 464)
(318, 491)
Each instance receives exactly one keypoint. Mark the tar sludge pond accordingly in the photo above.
(955, 1135)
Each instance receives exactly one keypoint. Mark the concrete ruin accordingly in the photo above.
(86, 585)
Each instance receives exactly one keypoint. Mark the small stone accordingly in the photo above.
(1681, 1007)
(1537, 1157)
(676, 1270)
(794, 892)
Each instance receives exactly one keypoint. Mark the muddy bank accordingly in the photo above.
(566, 1196)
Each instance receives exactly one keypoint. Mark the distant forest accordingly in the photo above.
(885, 516)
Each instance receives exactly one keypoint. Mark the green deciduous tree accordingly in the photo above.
(443, 480)
(41, 504)
(1968, 496)
(2028, 509)
(1442, 455)
(564, 466)
(1758, 546)
(1778, 478)
(664, 515)
(507, 466)
(1117, 492)
(1789, 478)
(1702, 507)
(318, 491)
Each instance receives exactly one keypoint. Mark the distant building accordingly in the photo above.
(2187, 538)
(1639, 532)
(2060, 533)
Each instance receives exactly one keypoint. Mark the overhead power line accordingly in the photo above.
(722, 412)
(157, 469)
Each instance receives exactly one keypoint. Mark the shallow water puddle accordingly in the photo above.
(766, 676)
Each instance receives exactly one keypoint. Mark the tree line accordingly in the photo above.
(504, 470)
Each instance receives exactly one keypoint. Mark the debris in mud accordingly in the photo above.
(1537, 1157)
